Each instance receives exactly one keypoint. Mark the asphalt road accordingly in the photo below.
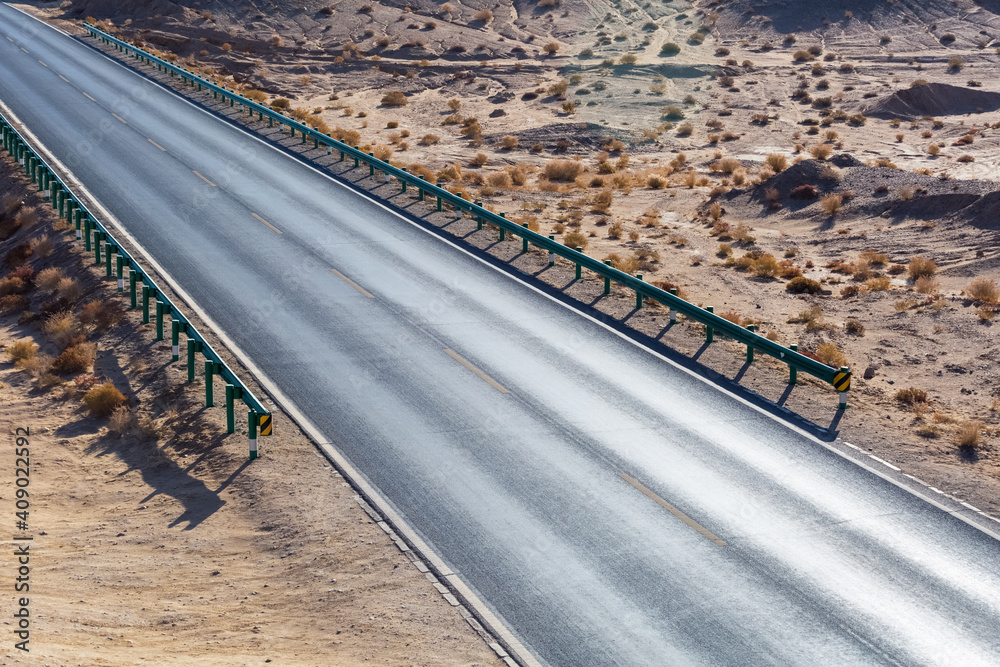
(609, 507)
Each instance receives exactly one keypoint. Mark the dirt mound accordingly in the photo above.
(984, 213)
(933, 99)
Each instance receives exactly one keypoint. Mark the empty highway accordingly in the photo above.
(609, 507)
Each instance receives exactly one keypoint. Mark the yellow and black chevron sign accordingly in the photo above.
(842, 381)
(265, 424)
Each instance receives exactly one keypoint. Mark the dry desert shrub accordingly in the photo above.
(101, 314)
(103, 399)
(603, 200)
(921, 267)
(575, 240)
(800, 284)
(911, 396)
(811, 317)
(925, 285)
(776, 162)
(69, 289)
(75, 359)
(508, 142)
(551, 48)
(394, 98)
(627, 265)
(831, 203)
(656, 182)
(41, 246)
(62, 328)
(879, 284)
(983, 289)
(562, 170)
(21, 351)
(875, 258)
(429, 140)
(831, 355)
(765, 266)
(821, 151)
(483, 15)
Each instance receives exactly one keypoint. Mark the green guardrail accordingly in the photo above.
(796, 361)
(143, 291)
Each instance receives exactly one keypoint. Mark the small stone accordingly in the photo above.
(869, 373)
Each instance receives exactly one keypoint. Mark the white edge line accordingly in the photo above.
(495, 625)
(314, 432)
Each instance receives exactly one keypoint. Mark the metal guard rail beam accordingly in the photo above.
(63, 198)
(754, 341)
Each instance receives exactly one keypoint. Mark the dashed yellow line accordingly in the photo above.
(42, 64)
(120, 118)
(478, 373)
(352, 283)
(273, 228)
(158, 146)
(204, 179)
(704, 532)
(64, 78)
(89, 97)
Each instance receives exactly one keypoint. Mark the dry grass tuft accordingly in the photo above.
(48, 279)
(983, 289)
(21, 351)
(776, 162)
(103, 399)
(911, 396)
(968, 434)
(831, 355)
(394, 98)
(921, 267)
(62, 328)
(832, 203)
(75, 359)
(575, 240)
(562, 170)
(121, 421)
(69, 289)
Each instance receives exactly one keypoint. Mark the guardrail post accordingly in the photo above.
(420, 190)
(209, 380)
(145, 304)
(842, 405)
(175, 334)
(403, 181)
(230, 419)
(439, 198)
(194, 347)
(503, 232)
(160, 307)
(356, 163)
(607, 279)
(709, 329)
(751, 329)
(638, 294)
(673, 313)
(479, 218)
(98, 237)
(120, 272)
(371, 166)
(108, 250)
(131, 286)
(552, 254)
(78, 214)
(252, 433)
(579, 267)
(793, 372)
(524, 239)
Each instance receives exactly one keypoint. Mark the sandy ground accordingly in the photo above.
(167, 546)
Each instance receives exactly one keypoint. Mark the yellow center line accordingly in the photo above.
(267, 223)
(42, 64)
(157, 145)
(64, 78)
(705, 532)
(89, 97)
(352, 283)
(204, 179)
(483, 376)
(120, 118)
